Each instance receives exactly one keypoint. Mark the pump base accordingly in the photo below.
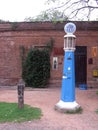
(67, 106)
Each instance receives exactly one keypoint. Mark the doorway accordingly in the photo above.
(80, 65)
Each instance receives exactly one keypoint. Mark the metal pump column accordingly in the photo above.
(67, 100)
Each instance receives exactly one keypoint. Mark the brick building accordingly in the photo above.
(15, 35)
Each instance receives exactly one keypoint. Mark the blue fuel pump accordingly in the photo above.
(67, 99)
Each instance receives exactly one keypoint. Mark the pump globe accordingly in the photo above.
(70, 28)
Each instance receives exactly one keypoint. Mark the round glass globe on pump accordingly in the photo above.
(70, 28)
(69, 38)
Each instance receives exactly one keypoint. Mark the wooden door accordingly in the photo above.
(80, 65)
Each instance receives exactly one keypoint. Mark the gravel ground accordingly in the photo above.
(51, 119)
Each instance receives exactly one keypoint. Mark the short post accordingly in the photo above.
(20, 88)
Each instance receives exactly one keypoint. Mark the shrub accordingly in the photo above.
(36, 68)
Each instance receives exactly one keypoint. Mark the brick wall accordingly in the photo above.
(14, 35)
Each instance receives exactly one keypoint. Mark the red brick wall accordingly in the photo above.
(89, 39)
(13, 35)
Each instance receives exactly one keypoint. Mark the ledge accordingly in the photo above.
(22, 26)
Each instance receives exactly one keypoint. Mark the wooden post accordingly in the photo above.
(21, 86)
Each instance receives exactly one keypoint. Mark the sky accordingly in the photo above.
(18, 10)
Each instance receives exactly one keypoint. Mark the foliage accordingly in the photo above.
(22, 55)
(76, 9)
(36, 68)
(96, 111)
(97, 92)
(53, 15)
(9, 112)
(3, 21)
(49, 44)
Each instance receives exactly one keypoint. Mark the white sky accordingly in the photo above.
(18, 10)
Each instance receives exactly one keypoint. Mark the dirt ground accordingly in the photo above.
(51, 119)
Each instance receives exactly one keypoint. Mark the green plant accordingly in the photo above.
(36, 68)
(22, 55)
(9, 112)
(97, 92)
(96, 111)
(49, 44)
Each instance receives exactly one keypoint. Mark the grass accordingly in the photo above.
(9, 112)
(96, 111)
(97, 92)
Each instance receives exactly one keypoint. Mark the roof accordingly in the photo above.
(22, 26)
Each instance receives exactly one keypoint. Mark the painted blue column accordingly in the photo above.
(67, 100)
(68, 78)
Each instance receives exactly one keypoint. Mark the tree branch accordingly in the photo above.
(75, 12)
(74, 7)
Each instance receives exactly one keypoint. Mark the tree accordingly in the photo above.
(76, 9)
(3, 21)
(53, 15)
